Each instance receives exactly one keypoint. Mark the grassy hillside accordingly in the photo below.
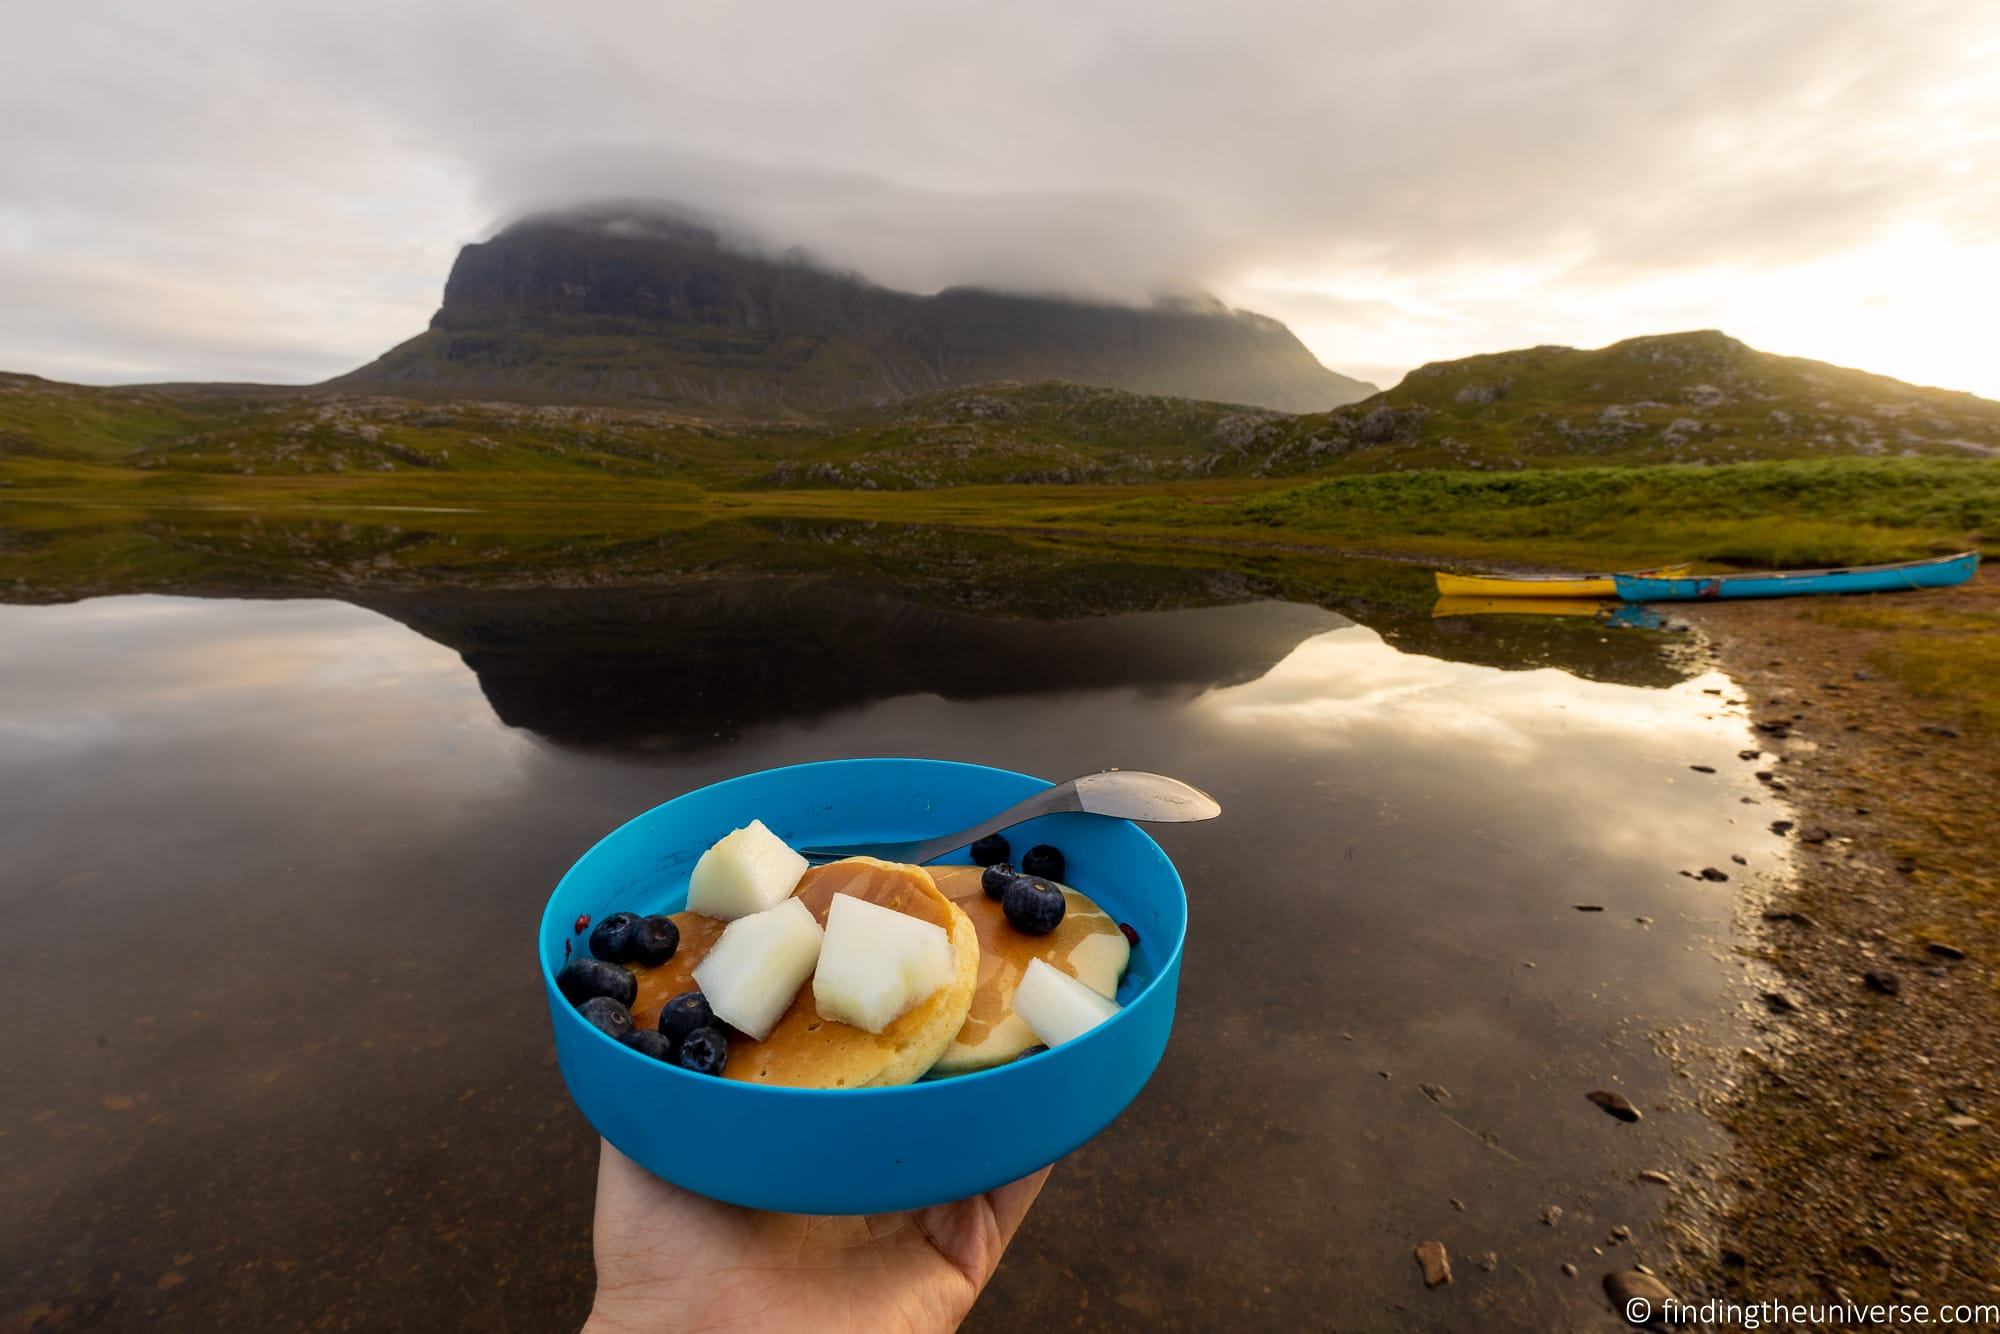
(1051, 432)
(311, 433)
(1676, 399)
(1672, 398)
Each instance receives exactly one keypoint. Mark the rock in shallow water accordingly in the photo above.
(1635, 1294)
(1617, 1104)
(1436, 1264)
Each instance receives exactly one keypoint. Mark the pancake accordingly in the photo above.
(806, 1050)
(1087, 945)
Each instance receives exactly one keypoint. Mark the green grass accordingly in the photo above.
(73, 422)
(1770, 514)
(1946, 654)
(1757, 514)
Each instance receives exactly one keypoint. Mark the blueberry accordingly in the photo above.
(611, 938)
(648, 1043)
(608, 1015)
(581, 979)
(1033, 905)
(654, 940)
(995, 877)
(989, 850)
(704, 1051)
(1042, 860)
(684, 1014)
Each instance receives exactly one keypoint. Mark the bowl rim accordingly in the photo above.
(1168, 967)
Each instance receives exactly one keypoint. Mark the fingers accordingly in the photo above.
(973, 1233)
(1011, 1202)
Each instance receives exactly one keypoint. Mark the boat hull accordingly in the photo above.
(1943, 572)
(1502, 586)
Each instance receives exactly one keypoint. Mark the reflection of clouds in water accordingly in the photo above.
(1600, 759)
(42, 738)
(1333, 686)
(116, 670)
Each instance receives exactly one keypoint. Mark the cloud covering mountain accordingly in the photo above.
(221, 188)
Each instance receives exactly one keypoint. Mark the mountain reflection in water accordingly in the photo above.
(704, 662)
(701, 660)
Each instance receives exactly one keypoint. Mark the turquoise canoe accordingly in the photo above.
(1939, 572)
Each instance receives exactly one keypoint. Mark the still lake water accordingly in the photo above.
(277, 1054)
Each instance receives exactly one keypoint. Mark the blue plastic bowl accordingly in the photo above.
(854, 1151)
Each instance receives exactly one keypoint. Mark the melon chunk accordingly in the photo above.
(1056, 1007)
(746, 872)
(758, 965)
(877, 964)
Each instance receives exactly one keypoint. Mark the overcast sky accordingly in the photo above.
(199, 189)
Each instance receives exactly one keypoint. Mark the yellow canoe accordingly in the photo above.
(1540, 586)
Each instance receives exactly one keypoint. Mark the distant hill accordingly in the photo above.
(1697, 399)
(612, 305)
(1694, 398)
(1700, 397)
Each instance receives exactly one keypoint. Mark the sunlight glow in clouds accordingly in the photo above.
(228, 189)
(1896, 305)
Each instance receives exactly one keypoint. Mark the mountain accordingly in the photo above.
(616, 305)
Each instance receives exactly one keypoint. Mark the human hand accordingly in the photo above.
(668, 1259)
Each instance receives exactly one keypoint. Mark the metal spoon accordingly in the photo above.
(1118, 793)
